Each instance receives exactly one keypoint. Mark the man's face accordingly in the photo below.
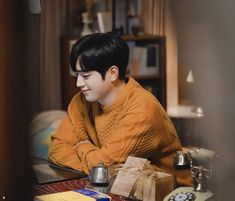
(92, 86)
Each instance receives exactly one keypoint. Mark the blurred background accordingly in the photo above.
(199, 36)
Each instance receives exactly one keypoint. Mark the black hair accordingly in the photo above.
(100, 51)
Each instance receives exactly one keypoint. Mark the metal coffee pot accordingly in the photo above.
(182, 160)
(99, 175)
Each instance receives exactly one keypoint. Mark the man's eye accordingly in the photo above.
(86, 76)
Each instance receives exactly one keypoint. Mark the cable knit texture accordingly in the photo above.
(135, 124)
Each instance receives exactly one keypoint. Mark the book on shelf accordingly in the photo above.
(152, 56)
(144, 60)
(104, 21)
(131, 47)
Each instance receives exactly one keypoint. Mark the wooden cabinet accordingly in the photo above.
(147, 65)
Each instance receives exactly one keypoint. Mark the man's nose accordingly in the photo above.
(80, 81)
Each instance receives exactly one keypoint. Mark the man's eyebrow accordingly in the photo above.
(81, 71)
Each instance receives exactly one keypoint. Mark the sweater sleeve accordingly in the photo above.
(134, 135)
(71, 130)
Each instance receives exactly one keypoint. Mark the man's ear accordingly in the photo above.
(113, 73)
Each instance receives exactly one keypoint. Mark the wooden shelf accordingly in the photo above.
(147, 77)
(140, 37)
(155, 81)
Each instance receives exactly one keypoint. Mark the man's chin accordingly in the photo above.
(90, 99)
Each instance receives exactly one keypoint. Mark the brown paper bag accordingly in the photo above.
(127, 176)
(139, 180)
(164, 186)
(153, 185)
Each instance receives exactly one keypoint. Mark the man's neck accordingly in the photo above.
(113, 95)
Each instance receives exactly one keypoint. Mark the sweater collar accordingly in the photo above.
(131, 83)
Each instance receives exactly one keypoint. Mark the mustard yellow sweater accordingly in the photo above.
(135, 124)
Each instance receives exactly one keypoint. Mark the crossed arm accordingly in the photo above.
(71, 145)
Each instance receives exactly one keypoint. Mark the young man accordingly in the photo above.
(112, 117)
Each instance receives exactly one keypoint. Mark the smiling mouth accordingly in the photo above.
(85, 91)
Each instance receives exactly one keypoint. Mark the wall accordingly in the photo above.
(15, 177)
(206, 44)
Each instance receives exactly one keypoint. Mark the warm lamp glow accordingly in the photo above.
(196, 109)
(190, 77)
